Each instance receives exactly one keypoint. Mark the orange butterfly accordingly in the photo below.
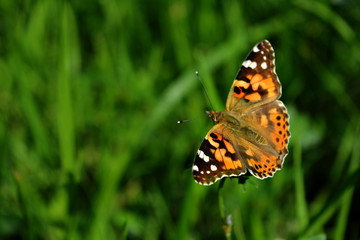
(252, 134)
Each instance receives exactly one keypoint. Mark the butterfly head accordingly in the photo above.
(215, 115)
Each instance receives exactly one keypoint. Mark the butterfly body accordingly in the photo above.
(252, 134)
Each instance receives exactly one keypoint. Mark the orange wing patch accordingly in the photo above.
(280, 136)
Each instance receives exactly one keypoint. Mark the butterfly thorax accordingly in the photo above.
(234, 122)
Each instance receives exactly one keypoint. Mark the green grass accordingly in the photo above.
(91, 92)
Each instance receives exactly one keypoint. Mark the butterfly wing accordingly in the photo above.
(256, 82)
(263, 139)
(217, 157)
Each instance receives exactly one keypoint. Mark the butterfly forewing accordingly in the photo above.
(216, 157)
(256, 82)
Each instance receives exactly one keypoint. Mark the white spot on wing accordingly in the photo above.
(256, 49)
(246, 63)
(201, 154)
(253, 65)
(264, 65)
(249, 64)
(213, 168)
(208, 172)
(195, 168)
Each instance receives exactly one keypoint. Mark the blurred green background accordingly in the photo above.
(89, 98)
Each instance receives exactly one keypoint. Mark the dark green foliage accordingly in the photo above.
(90, 93)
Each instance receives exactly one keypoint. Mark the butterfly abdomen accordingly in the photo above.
(254, 136)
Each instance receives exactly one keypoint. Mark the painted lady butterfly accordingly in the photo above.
(252, 134)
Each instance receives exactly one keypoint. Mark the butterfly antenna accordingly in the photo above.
(204, 89)
(207, 98)
(188, 120)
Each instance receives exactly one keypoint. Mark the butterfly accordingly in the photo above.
(252, 134)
